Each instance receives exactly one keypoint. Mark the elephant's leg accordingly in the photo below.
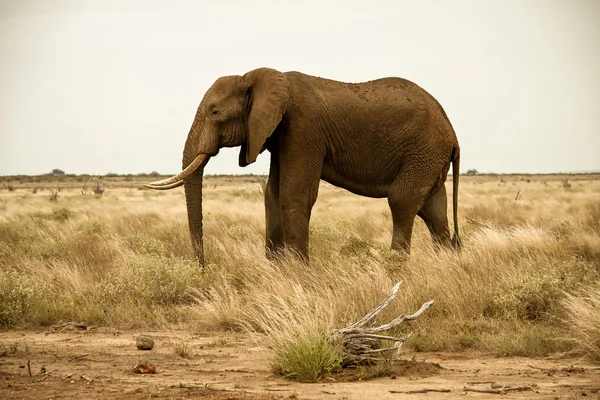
(406, 197)
(403, 218)
(434, 213)
(299, 187)
(274, 234)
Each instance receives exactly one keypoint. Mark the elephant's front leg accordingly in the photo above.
(298, 193)
(274, 234)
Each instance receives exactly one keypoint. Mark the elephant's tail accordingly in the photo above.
(455, 176)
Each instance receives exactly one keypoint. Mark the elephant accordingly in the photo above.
(382, 138)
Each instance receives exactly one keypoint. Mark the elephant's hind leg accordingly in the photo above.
(407, 195)
(434, 213)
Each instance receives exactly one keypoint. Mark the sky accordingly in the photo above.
(108, 86)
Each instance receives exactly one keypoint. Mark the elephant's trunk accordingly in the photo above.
(193, 198)
(191, 179)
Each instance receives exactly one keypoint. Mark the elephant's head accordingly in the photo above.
(235, 111)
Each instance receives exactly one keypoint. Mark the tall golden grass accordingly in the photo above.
(525, 282)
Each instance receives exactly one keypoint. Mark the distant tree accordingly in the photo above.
(58, 172)
(154, 174)
(472, 172)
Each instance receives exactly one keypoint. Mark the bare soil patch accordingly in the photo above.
(69, 362)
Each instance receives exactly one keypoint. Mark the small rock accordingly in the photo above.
(144, 343)
(144, 368)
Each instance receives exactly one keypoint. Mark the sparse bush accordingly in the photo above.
(142, 244)
(536, 294)
(583, 315)
(62, 214)
(355, 247)
(154, 280)
(525, 297)
(19, 294)
(306, 357)
(98, 190)
(183, 350)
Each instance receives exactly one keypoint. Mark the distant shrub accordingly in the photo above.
(62, 214)
(535, 295)
(98, 190)
(153, 280)
(18, 295)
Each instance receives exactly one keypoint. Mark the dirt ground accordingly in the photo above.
(67, 362)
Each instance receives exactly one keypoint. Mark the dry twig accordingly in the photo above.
(425, 390)
(78, 357)
(363, 344)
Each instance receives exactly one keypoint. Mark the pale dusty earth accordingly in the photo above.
(67, 362)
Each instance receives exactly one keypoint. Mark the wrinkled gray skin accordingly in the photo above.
(383, 138)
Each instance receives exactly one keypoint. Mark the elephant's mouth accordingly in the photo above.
(177, 180)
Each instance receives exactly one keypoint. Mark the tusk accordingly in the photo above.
(164, 187)
(200, 160)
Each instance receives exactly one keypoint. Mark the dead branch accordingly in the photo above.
(517, 388)
(78, 357)
(500, 390)
(361, 344)
(483, 390)
(426, 390)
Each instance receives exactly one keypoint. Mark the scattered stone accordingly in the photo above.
(144, 343)
(144, 368)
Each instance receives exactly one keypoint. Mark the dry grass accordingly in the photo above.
(584, 315)
(183, 350)
(528, 263)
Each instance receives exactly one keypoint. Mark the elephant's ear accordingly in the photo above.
(268, 97)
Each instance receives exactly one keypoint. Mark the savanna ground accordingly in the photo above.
(518, 306)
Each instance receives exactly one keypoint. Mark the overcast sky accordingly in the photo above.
(112, 86)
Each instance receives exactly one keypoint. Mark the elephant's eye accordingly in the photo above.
(215, 111)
